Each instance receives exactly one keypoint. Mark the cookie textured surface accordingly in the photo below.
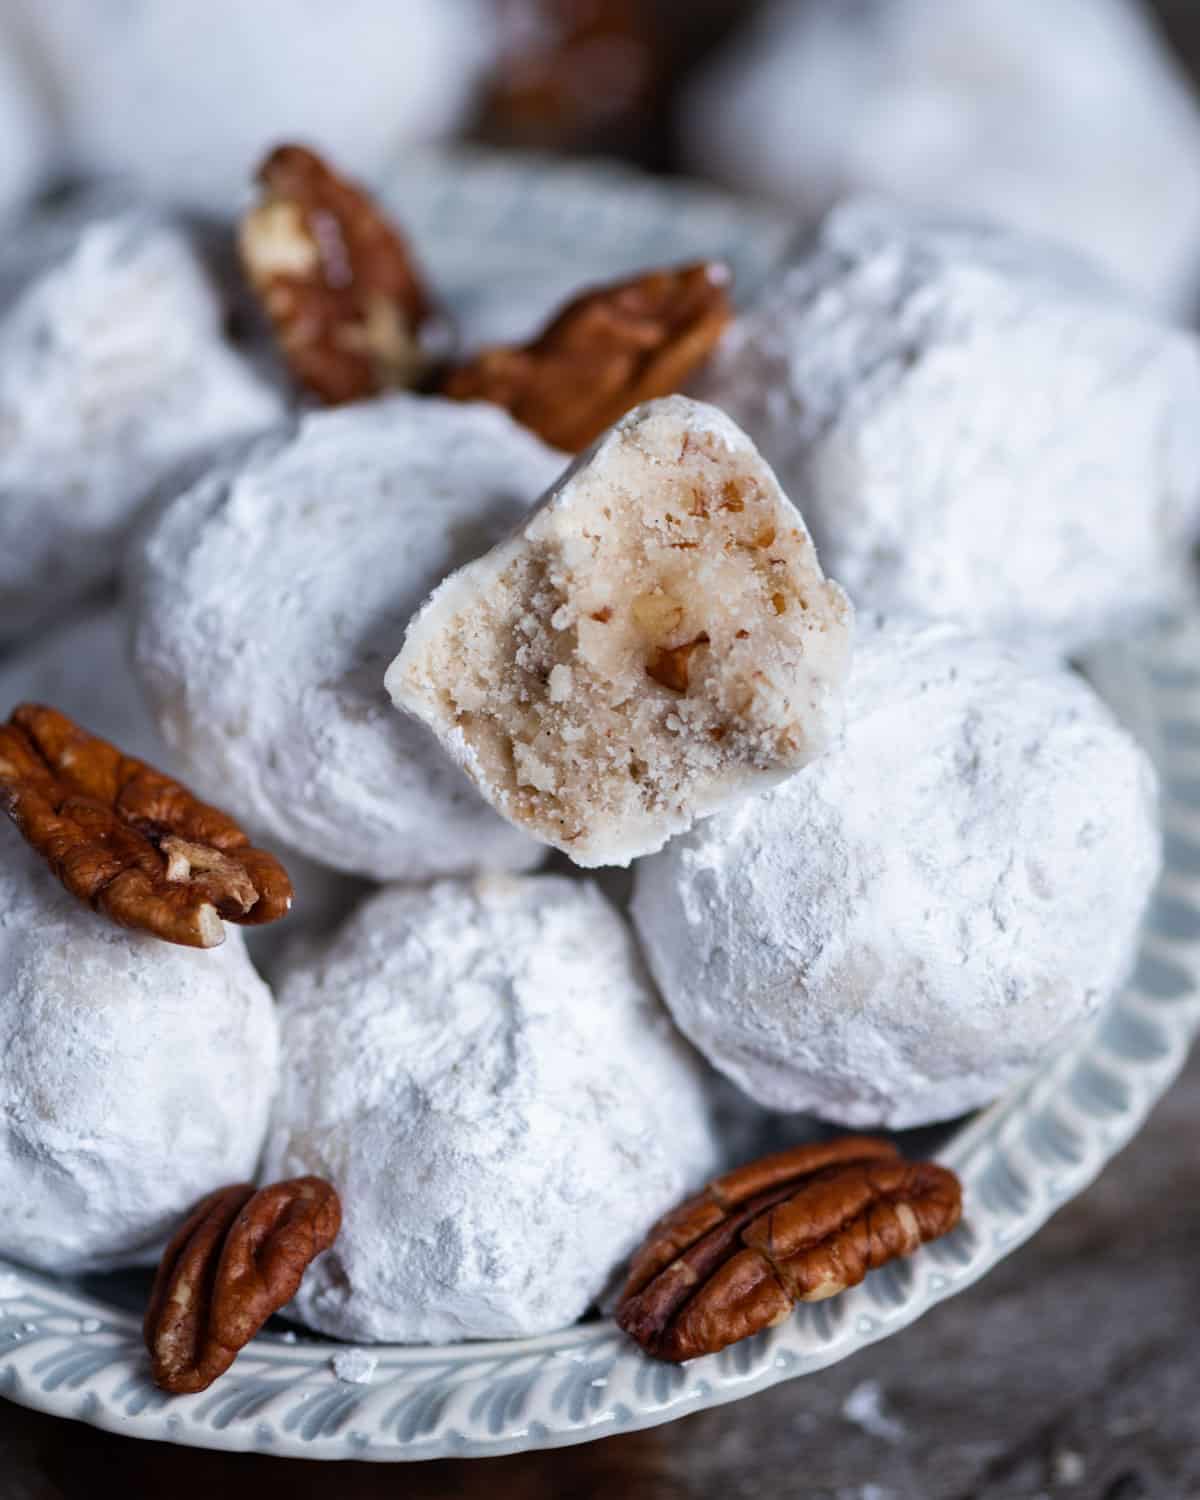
(901, 932)
(113, 372)
(273, 594)
(1042, 117)
(483, 1071)
(657, 640)
(135, 1076)
(974, 425)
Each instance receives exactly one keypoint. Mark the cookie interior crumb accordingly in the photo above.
(658, 635)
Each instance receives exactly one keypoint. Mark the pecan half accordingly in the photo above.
(603, 354)
(797, 1227)
(128, 840)
(239, 1257)
(337, 281)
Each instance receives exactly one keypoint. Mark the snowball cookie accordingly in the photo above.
(185, 97)
(271, 596)
(113, 371)
(135, 1075)
(1045, 117)
(974, 425)
(482, 1070)
(900, 932)
(83, 668)
(657, 639)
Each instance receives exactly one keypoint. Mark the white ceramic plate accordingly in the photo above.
(74, 1347)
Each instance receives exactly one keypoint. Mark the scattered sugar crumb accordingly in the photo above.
(10, 1286)
(354, 1366)
(865, 1406)
(1067, 1467)
(90, 1325)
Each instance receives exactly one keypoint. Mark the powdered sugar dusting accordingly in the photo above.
(904, 929)
(272, 596)
(483, 1071)
(135, 1076)
(113, 372)
(938, 105)
(878, 375)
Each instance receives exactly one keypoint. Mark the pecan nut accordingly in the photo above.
(128, 840)
(606, 352)
(239, 1257)
(338, 282)
(572, 72)
(796, 1227)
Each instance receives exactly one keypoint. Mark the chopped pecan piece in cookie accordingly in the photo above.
(337, 280)
(606, 352)
(239, 1257)
(132, 843)
(797, 1227)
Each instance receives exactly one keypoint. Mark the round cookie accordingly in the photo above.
(1042, 117)
(901, 931)
(482, 1070)
(974, 426)
(135, 1076)
(274, 593)
(184, 98)
(113, 372)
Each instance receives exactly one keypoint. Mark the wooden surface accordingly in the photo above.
(1072, 1371)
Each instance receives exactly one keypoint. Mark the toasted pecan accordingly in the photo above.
(135, 845)
(337, 280)
(606, 352)
(572, 72)
(239, 1257)
(796, 1227)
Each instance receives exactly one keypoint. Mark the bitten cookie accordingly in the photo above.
(269, 598)
(901, 932)
(657, 640)
(1041, 117)
(135, 1075)
(483, 1072)
(113, 372)
(974, 425)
